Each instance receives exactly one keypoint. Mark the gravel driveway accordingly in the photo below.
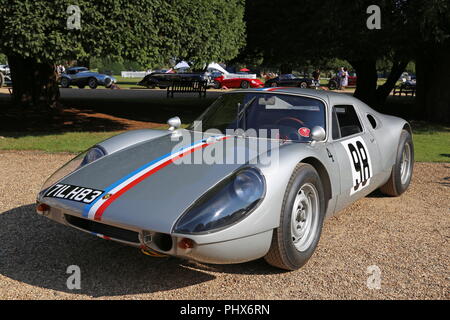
(406, 237)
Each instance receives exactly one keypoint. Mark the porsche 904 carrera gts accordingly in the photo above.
(157, 191)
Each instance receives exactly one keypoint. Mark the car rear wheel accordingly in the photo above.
(81, 86)
(274, 84)
(244, 84)
(65, 82)
(92, 83)
(302, 213)
(402, 170)
(303, 85)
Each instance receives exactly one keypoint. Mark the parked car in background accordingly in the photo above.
(163, 80)
(334, 83)
(238, 80)
(81, 77)
(5, 75)
(289, 80)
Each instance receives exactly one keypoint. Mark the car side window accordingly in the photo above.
(372, 120)
(345, 121)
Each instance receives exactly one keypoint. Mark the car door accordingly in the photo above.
(357, 154)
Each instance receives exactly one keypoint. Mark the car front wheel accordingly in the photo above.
(64, 82)
(92, 83)
(108, 82)
(302, 213)
(402, 170)
(244, 84)
(217, 85)
(303, 85)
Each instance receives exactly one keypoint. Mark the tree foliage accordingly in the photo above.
(148, 31)
(295, 32)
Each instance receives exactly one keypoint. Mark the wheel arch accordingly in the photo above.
(324, 177)
(408, 128)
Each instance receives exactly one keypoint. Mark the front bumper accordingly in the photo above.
(226, 252)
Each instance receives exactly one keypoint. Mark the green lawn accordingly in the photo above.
(65, 142)
(431, 143)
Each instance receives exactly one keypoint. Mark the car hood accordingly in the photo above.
(156, 200)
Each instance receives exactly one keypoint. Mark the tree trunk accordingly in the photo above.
(385, 89)
(35, 84)
(366, 85)
(433, 94)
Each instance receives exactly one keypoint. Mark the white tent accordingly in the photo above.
(182, 64)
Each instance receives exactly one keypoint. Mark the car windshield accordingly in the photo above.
(275, 116)
(287, 76)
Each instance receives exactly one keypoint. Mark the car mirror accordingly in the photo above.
(174, 123)
(318, 134)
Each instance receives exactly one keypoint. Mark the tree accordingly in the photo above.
(37, 33)
(332, 29)
(432, 60)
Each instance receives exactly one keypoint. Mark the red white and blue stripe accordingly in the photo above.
(96, 209)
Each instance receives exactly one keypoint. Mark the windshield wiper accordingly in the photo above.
(241, 112)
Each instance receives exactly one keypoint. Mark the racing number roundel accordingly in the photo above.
(360, 163)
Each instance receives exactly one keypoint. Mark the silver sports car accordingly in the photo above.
(254, 177)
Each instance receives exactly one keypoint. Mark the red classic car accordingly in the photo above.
(237, 81)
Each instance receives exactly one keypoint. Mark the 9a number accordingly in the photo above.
(360, 164)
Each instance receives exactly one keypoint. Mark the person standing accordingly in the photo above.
(316, 78)
(344, 77)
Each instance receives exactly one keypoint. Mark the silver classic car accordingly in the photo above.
(82, 77)
(255, 176)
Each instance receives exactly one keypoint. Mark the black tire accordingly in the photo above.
(108, 83)
(2, 79)
(332, 85)
(399, 180)
(81, 86)
(244, 84)
(217, 85)
(274, 84)
(65, 83)
(303, 85)
(283, 253)
(92, 83)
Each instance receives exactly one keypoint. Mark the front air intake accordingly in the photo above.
(103, 229)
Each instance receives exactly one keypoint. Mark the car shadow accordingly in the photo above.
(38, 251)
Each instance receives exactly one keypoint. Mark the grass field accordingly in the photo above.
(431, 143)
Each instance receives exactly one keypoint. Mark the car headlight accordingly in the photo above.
(79, 161)
(227, 203)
